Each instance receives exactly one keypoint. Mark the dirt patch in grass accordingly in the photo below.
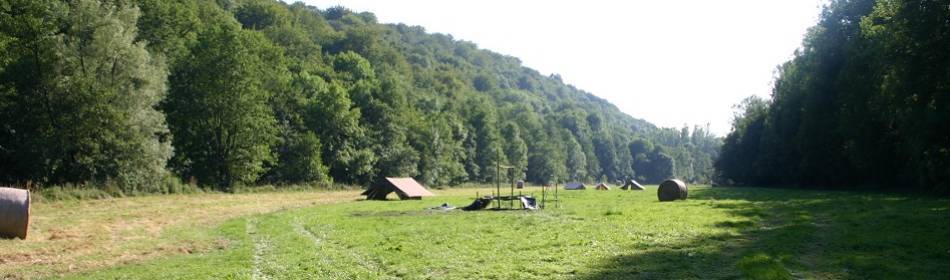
(72, 236)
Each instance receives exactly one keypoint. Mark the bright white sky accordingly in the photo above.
(646, 57)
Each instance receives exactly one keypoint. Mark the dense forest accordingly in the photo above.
(140, 94)
(865, 103)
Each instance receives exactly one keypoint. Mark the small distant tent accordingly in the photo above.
(405, 188)
(575, 186)
(602, 187)
(633, 185)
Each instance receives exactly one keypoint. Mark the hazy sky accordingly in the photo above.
(669, 62)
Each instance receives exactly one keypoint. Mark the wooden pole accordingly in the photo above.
(497, 183)
(544, 196)
(511, 204)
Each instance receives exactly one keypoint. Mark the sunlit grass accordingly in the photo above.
(716, 233)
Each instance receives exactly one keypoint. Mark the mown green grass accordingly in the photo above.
(717, 233)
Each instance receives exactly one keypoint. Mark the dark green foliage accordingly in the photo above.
(576, 159)
(217, 108)
(262, 92)
(260, 14)
(440, 146)
(483, 83)
(516, 151)
(299, 160)
(863, 104)
(740, 152)
(168, 26)
(78, 97)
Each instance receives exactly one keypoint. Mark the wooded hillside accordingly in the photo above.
(139, 94)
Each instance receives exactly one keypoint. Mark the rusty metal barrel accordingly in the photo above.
(14, 212)
(671, 190)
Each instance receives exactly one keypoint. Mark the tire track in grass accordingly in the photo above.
(323, 260)
(814, 254)
(370, 264)
(262, 245)
(328, 248)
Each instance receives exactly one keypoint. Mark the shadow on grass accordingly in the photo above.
(792, 234)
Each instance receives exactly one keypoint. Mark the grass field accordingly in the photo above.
(717, 233)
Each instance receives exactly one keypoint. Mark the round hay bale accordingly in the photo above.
(14, 212)
(672, 189)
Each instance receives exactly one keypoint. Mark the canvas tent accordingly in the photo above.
(603, 187)
(405, 188)
(633, 185)
(574, 186)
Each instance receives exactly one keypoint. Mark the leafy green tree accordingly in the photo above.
(299, 160)
(261, 14)
(516, 150)
(545, 164)
(470, 145)
(664, 167)
(741, 147)
(575, 121)
(605, 151)
(330, 113)
(218, 111)
(78, 96)
(911, 110)
(640, 150)
(489, 152)
(483, 83)
(383, 105)
(576, 164)
(858, 106)
(396, 157)
(169, 26)
(441, 153)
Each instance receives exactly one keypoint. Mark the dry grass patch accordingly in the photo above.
(72, 236)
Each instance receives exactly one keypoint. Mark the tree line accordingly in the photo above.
(139, 94)
(865, 103)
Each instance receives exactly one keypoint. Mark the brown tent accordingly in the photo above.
(602, 187)
(405, 188)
